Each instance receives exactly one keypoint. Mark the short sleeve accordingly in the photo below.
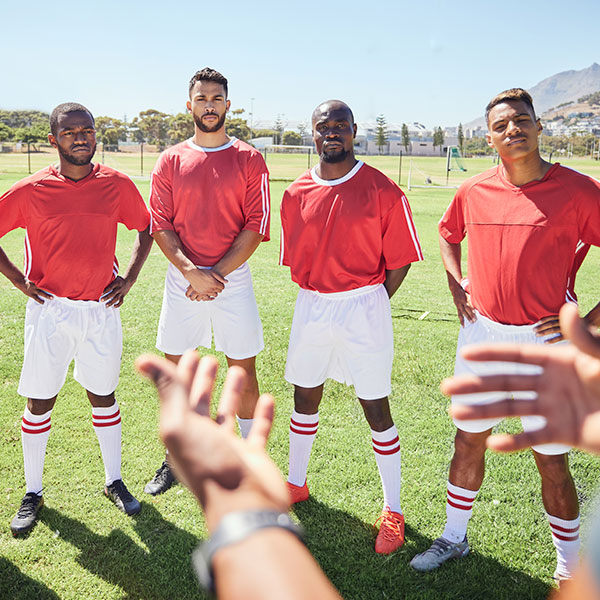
(401, 244)
(589, 211)
(257, 204)
(161, 196)
(12, 211)
(133, 212)
(452, 224)
(284, 258)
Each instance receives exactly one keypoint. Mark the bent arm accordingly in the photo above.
(451, 255)
(394, 278)
(18, 279)
(241, 250)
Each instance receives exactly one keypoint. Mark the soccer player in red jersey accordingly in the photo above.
(524, 220)
(70, 214)
(349, 240)
(210, 210)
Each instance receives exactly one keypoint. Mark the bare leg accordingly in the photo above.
(250, 395)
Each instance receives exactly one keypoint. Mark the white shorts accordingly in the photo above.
(486, 331)
(346, 336)
(61, 330)
(233, 316)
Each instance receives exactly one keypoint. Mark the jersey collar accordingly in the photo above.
(330, 182)
(191, 144)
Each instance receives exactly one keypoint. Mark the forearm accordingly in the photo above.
(593, 317)
(270, 564)
(394, 278)
(241, 250)
(171, 246)
(451, 257)
(140, 252)
(10, 270)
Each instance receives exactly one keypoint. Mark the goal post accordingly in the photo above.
(289, 149)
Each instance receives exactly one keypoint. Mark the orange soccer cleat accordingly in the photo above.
(297, 493)
(391, 532)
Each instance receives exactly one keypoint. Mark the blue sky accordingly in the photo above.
(433, 61)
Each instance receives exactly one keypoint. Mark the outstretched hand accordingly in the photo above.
(568, 389)
(224, 472)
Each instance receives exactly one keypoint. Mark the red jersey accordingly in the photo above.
(343, 234)
(71, 227)
(208, 195)
(522, 240)
(580, 253)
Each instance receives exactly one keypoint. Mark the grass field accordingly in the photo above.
(84, 548)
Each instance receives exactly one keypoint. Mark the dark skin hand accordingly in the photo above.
(551, 325)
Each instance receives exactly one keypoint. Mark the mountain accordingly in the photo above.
(563, 87)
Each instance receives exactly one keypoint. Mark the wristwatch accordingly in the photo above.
(234, 528)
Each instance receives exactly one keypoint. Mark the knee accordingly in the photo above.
(307, 400)
(554, 470)
(377, 413)
(470, 444)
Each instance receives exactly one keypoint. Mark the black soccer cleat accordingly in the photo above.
(119, 494)
(163, 479)
(27, 514)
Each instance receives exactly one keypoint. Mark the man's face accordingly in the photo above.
(333, 132)
(208, 105)
(513, 129)
(75, 137)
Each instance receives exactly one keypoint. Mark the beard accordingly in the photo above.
(209, 128)
(76, 159)
(335, 157)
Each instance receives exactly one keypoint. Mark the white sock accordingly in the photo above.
(565, 537)
(303, 431)
(459, 508)
(107, 425)
(35, 431)
(386, 445)
(245, 425)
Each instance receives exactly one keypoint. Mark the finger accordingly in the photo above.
(544, 320)
(219, 277)
(113, 301)
(501, 408)
(203, 384)
(547, 328)
(263, 421)
(503, 442)
(44, 294)
(553, 340)
(37, 298)
(523, 353)
(461, 318)
(235, 382)
(471, 384)
(575, 329)
(187, 367)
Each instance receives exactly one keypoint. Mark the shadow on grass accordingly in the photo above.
(16, 585)
(343, 546)
(162, 571)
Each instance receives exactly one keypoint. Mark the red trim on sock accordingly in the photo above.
(26, 422)
(564, 538)
(563, 529)
(394, 441)
(107, 424)
(311, 432)
(458, 505)
(305, 425)
(35, 430)
(107, 416)
(385, 452)
(463, 498)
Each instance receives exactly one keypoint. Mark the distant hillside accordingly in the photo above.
(558, 89)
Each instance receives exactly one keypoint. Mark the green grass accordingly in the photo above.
(84, 548)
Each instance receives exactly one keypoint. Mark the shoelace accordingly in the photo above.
(26, 507)
(122, 491)
(390, 526)
(439, 546)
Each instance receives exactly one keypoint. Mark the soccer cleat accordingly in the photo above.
(163, 479)
(27, 514)
(440, 551)
(391, 532)
(297, 493)
(119, 494)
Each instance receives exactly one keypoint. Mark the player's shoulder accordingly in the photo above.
(104, 171)
(247, 150)
(486, 177)
(301, 183)
(380, 179)
(176, 150)
(45, 174)
(575, 180)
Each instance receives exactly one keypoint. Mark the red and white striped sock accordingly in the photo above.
(245, 425)
(107, 425)
(459, 508)
(303, 431)
(386, 445)
(565, 537)
(35, 431)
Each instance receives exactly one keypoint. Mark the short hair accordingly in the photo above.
(208, 74)
(514, 94)
(65, 109)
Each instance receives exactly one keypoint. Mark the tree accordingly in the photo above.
(6, 132)
(291, 138)
(181, 127)
(405, 137)
(236, 126)
(381, 137)
(109, 131)
(151, 126)
(461, 139)
(438, 138)
(302, 127)
(278, 126)
(37, 132)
